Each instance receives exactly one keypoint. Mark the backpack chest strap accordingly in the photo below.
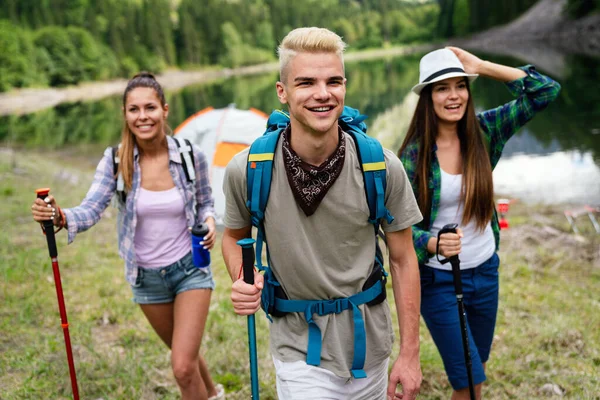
(334, 306)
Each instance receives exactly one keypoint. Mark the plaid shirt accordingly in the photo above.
(533, 93)
(197, 198)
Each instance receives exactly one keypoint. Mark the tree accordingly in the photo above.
(445, 27)
(64, 55)
(18, 66)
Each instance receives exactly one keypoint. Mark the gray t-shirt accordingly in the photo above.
(327, 255)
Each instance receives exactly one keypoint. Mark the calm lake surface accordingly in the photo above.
(553, 159)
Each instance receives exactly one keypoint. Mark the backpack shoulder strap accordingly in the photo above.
(258, 177)
(259, 173)
(260, 165)
(120, 191)
(187, 157)
(372, 161)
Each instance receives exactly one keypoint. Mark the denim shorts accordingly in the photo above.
(440, 312)
(161, 285)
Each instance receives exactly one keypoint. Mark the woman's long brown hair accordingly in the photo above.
(477, 193)
(146, 80)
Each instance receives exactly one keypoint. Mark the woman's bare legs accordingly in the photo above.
(180, 325)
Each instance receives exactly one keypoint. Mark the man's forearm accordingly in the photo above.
(407, 296)
(232, 253)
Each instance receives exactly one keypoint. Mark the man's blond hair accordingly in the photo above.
(308, 40)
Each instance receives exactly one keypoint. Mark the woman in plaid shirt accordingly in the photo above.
(449, 153)
(153, 229)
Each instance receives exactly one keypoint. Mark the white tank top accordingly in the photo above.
(476, 246)
(161, 234)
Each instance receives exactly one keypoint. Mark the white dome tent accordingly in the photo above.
(222, 133)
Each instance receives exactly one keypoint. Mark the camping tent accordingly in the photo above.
(220, 134)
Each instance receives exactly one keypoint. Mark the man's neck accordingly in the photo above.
(314, 147)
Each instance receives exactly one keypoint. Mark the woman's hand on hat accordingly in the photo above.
(470, 62)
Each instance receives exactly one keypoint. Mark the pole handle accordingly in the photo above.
(454, 260)
(247, 259)
(48, 225)
(448, 228)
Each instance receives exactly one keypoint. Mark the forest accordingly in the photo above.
(65, 42)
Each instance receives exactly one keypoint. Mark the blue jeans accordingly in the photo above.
(161, 285)
(440, 312)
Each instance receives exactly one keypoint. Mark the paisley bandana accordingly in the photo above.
(311, 183)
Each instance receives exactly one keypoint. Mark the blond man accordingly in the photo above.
(321, 242)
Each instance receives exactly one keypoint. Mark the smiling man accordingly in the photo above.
(321, 242)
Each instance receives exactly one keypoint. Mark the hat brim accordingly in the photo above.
(417, 88)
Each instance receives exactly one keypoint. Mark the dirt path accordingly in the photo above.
(24, 101)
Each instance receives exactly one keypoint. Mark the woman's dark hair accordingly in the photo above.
(147, 80)
(477, 192)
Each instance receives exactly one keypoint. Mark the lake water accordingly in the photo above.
(554, 159)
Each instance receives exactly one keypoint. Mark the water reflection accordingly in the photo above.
(381, 90)
(561, 177)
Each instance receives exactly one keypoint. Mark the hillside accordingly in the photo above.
(542, 35)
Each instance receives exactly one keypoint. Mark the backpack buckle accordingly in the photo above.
(333, 306)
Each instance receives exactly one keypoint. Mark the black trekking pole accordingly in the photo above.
(50, 238)
(248, 269)
(455, 262)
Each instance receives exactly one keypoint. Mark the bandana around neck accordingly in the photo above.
(311, 183)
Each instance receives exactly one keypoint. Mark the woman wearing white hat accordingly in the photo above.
(449, 153)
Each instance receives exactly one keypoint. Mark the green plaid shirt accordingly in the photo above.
(533, 93)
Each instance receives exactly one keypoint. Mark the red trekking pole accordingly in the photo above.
(48, 228)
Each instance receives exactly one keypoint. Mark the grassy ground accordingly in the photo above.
(548, 328)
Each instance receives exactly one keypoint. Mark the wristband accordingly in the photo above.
(63, 220)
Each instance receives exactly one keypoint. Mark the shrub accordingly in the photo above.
(237, 53)
(94, 57)
(68, 68)
(18, 66)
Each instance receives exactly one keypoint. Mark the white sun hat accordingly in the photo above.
(439, 65)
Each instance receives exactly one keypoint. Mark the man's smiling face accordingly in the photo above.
(314, 90)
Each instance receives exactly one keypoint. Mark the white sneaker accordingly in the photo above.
(220, 393)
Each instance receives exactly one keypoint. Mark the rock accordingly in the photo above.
(551, 389)
(543, 35)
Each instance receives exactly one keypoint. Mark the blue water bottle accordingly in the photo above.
(200, 255)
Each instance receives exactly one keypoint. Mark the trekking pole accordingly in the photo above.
(248, 268)
(455, 262)
(50, 238)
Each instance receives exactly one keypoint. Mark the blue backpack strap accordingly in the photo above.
(334, 306)
(372, 159)
(260, 165)
(258, 177)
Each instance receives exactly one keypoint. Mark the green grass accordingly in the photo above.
(548, 323)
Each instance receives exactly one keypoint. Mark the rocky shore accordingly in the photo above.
(542, 35)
